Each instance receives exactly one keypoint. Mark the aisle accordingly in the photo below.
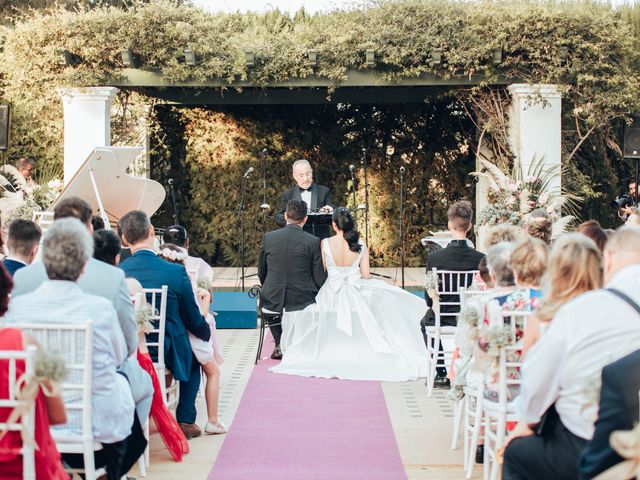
(294, 428)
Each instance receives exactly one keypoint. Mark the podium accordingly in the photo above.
(319, 224)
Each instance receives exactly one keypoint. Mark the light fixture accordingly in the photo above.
(249, 57)
(496, 59)
(65, 57)
(189, 57)
(563, 54)
(436, 56)
(312, 58)
(127, 57)
(370, 58)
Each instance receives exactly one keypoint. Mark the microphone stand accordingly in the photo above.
(353, 191)
(241, 219)
(402, 223)
(265, 206)
(173, 201)
(366, 197)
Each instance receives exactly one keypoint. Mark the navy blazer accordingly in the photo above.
(618, 411)
(183, 314)
(12, 266)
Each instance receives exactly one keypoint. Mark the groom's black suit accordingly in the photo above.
(290, 270)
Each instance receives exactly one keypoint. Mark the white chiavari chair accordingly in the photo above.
(75, 343)
(27, 421)
(449, 284)
(498, 413)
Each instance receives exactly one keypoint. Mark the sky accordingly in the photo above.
(290, 5)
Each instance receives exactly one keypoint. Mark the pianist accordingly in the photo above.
(317, 197)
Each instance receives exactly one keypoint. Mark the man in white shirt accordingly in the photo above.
(564, 368)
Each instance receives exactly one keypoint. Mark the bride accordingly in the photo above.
(358, 329)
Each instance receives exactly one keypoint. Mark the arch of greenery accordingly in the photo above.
(588, 49)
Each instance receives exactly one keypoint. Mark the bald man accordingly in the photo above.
(317, 197)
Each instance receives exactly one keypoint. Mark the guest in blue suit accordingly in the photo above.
(22, 242)
(182, 316)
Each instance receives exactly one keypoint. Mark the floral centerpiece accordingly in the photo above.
(513, 197)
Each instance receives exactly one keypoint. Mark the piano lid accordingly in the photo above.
(119, 191)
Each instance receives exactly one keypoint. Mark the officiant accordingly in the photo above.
(317, 197)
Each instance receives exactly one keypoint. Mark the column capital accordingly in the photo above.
(104, 94)
(520, 90)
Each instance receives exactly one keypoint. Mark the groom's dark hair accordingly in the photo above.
(135, 226)
(296, 210)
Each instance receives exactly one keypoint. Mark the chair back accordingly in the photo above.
(193, 276)
(74, 342)
(157, 299)
(26, 423)
(450, 285)
(510, 356)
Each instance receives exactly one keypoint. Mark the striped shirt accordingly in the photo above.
(61, 302)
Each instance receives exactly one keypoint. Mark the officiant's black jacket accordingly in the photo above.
(458, 256)
(290, 269)
(618, 411)
(320, 196)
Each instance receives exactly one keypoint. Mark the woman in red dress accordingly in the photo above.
(49, 410)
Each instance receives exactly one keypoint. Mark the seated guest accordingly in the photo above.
(456, 256)
(182, 315)
(528, 262)
(48, 410)
(593, 230)
(562, 372)
(97, 223)
(503, 232)
(105, 281)
(66, 249)
(575, 267)
(539, 225)
(22, 242)
(106, 247)
(618, 411)
(177, 235)
(634, 217)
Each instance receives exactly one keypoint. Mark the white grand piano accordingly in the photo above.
(103, 182)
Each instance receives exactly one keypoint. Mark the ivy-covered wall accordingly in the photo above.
(210, 149)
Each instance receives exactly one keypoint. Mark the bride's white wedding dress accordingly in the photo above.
(358, 329)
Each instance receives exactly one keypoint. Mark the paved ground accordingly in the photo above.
(422, 425)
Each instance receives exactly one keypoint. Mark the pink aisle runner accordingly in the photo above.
(297, 428)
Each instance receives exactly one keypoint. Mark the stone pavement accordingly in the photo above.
(422, 425)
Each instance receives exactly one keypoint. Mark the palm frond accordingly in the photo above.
(561, 226)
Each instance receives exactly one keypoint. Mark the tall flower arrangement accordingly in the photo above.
(512, 197)
(21, 199)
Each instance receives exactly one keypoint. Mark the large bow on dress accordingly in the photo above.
(351, 280)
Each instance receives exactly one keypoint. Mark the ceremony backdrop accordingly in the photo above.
(589, 49)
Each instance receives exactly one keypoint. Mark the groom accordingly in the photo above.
(290, 270)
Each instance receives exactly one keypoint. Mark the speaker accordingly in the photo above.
(4, 126)
(632, 139)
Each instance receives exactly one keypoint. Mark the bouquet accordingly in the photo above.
(143, 315)
(205, 283)
(431, 285)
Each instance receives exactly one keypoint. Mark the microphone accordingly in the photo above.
(351, 167)
(170, 182)
(264, 151)
(248, 172)
(401, 170)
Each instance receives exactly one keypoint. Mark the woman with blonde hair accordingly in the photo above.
(575, 267)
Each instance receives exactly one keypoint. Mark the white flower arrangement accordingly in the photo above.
(143, 315)
(493, 338)
(173, 255)
(431, 285)
(50, 367)
(204, 283)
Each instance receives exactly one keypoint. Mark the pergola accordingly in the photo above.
(535, 125)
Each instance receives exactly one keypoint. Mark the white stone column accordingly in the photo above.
(536, 127)
(87, 124)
